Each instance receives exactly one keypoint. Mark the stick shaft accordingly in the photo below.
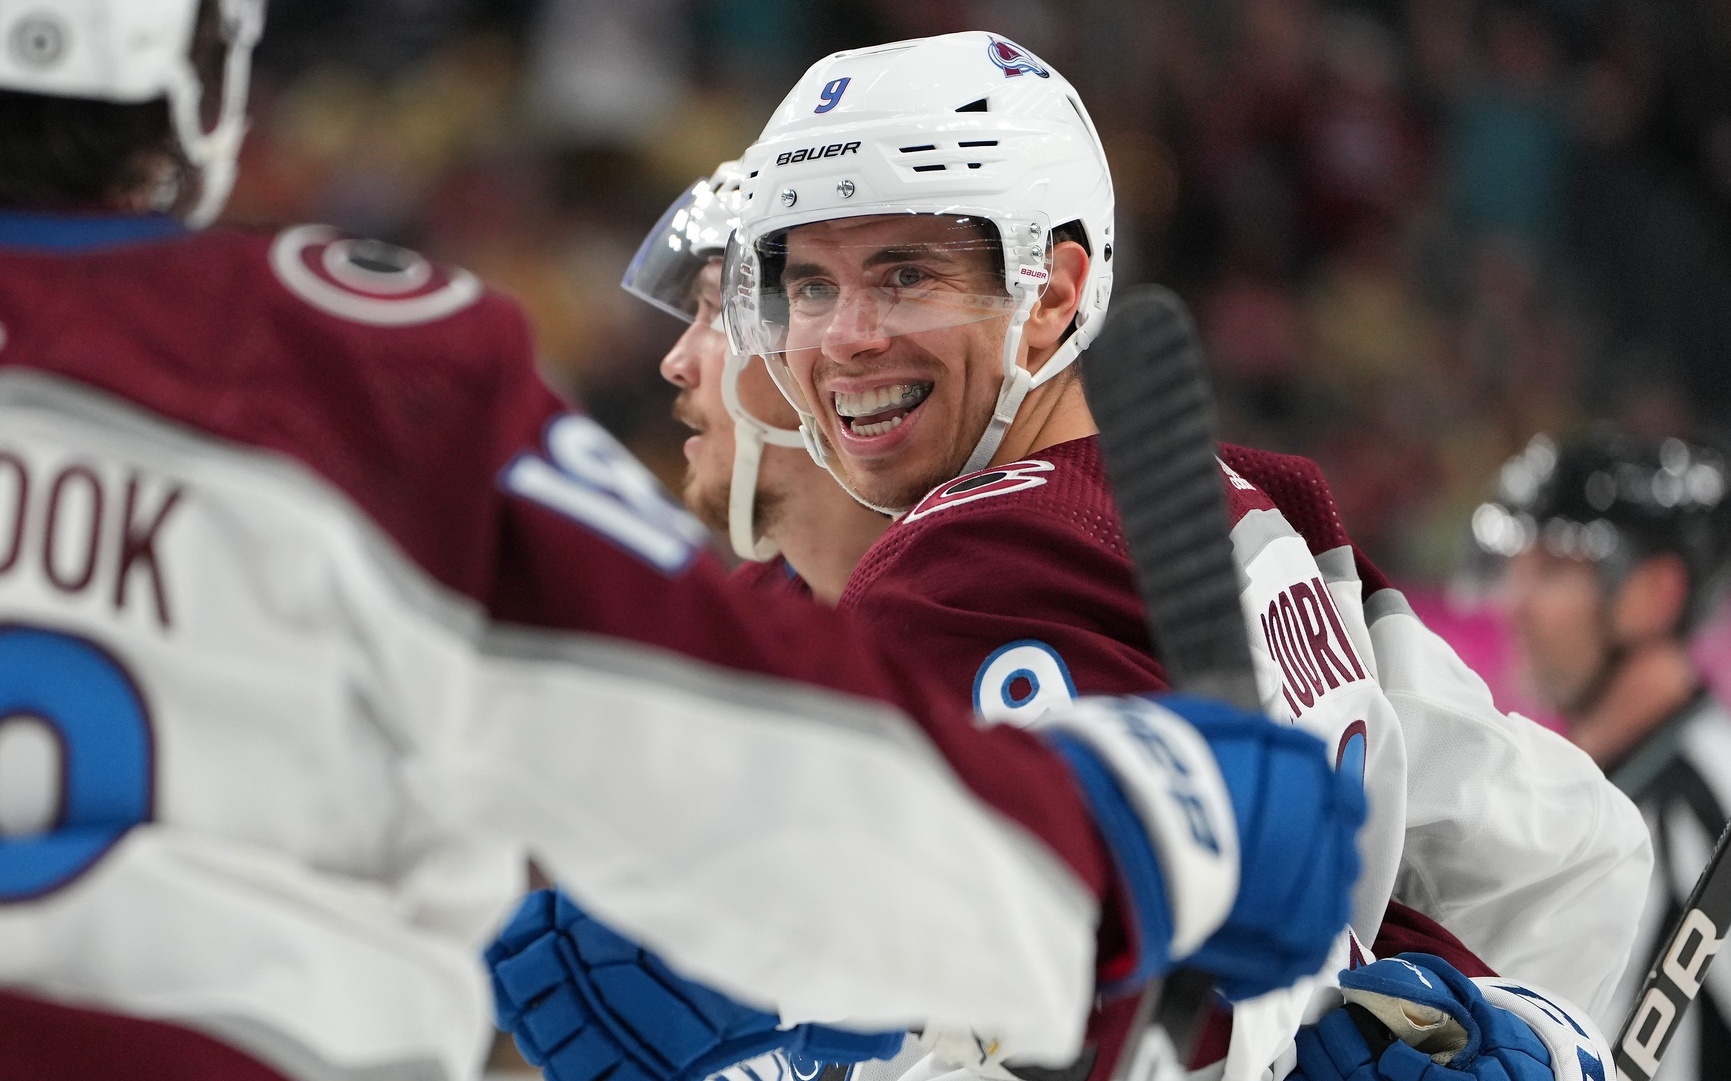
(1675, 978)
(1148, 387)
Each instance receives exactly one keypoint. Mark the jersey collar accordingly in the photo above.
(84, 232)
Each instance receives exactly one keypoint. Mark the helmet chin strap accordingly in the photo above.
(749, 437)
(742, 498)
(215, 152)
(1016, 386)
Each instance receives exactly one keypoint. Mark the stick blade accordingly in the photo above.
(1147, 385)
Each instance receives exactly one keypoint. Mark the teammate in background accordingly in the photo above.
(1616, 548)
(747, 476)
(925, 251)
(319, 614)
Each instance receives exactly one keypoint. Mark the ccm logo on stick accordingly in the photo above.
(1650, 1030)
(810, 153)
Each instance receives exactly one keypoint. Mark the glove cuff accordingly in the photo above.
(1579, 1050)
(1154, 765)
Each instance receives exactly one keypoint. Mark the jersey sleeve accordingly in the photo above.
(747, 782)
(1514, 838)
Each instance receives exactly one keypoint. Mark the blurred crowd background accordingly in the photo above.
(1415, 231)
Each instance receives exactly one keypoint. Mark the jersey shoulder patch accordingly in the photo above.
(1000, 480)
(368, 281)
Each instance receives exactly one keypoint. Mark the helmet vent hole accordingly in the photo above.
(978, 142)
(973, 165)
(973, 107)
(917, 149)
(928, 168)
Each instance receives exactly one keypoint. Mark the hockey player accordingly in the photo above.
(319, 613)
(926, 249)
(746, 475)
(1617, 546)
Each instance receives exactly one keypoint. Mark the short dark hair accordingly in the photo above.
(70, 153)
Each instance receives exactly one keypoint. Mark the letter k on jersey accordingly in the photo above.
(1307, 638)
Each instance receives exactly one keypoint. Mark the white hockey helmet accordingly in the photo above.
(134, 51)
(692, 232)
(969, 127)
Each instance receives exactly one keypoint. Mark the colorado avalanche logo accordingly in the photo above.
(1014, 59)
(365, 281)
(999, 480)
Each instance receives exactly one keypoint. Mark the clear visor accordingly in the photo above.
(693, 231)
(841, 284)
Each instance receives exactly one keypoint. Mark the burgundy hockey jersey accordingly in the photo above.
(319, 614)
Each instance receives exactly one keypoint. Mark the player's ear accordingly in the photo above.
(1056, 308)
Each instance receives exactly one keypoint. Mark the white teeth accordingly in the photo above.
(869, 430)
(878, 399)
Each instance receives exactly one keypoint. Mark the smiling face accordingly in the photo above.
(895, 332)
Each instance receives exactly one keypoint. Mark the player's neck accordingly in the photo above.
(1051, 414)
(823, 532)
(1651, 683)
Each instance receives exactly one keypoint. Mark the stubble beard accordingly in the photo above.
(712, 503)
(707, 502)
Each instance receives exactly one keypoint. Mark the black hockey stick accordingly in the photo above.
(1148, 388)
(1675, 978)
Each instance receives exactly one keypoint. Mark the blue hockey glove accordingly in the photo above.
(1416, 1018)
(1233, 834)
(584, 1003)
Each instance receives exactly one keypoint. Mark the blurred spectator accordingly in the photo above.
(606, 72)
(1508, 139)
(1363, 156)
(1413, 230)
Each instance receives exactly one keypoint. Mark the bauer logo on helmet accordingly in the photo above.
(812, 153)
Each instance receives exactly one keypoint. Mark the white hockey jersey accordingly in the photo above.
(1513, 840)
